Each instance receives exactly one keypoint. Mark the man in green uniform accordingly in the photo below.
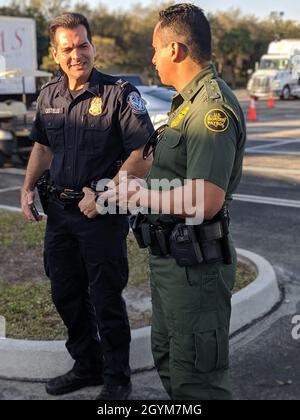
(191, 280)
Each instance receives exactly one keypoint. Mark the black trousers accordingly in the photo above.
(86, 261)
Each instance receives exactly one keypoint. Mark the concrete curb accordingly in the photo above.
(40, 360)
(258, 297)
(10, 208)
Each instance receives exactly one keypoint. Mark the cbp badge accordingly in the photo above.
(136, 103)
(216, 120)
(96, 107)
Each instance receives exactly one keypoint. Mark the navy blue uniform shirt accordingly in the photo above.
(88, 134)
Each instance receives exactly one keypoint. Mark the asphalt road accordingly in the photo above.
(266, 220)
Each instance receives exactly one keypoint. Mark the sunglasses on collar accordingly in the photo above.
(153, 141)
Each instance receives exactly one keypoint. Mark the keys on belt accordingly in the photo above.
(69, 195)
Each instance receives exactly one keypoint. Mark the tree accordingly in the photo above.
(48, 63)
(52, 8)
(108, 53)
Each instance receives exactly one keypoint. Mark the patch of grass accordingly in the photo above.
(14, 228)
(27, 305)
(244, 276)
(29, 312)
(138, 260)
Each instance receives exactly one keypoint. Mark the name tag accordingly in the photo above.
(54, 110)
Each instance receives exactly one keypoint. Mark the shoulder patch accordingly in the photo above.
(216, 120)
(136, 103)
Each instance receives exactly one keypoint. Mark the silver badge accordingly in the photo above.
(136, 103)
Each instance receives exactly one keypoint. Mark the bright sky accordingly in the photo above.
(260, 8)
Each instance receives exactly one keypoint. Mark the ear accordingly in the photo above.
(54, 54)
(178, 52)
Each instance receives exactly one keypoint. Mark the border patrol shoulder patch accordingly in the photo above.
(216, 120)
(136, 103)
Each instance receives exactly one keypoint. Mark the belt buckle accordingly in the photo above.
(64, 194)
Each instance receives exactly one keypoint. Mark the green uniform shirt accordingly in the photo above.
(205, 137)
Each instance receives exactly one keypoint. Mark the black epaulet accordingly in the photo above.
(122, 83)
(114, 80)
(213, 90)
(51, 82)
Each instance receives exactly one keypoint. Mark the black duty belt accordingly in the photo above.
(188, 244)
(67, 195)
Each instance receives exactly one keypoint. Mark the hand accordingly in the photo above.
(27, 198)
(88, 205)
(127, 193)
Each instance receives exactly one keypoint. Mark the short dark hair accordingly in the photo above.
(190, 23)
(70, 21)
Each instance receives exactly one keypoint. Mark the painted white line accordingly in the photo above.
(272, 152)
(13, 171)
(275, 144)
(9, 189)
(278, 123)
(267, 200)
(286, 171)
(251, 137)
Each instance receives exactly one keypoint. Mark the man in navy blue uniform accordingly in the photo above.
(87, 126)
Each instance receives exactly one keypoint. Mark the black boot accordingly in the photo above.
(73, 380)
(115, 392)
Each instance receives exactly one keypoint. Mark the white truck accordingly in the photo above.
(278, 72)
(18, 64)
(17, 51)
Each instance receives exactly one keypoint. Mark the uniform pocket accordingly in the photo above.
(95, 136)
(171, 151)
(172, 138)
(54, 125)
(204, 285)
(212, 350)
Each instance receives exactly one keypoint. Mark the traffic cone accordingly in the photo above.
(271, 101)
(252, 110)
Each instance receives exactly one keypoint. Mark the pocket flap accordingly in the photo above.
(172, 138)
(96, 124)
(53, 121)
(212, 350)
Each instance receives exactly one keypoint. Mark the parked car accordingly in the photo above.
(158, 102)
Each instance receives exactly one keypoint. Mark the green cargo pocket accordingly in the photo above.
(211, 350)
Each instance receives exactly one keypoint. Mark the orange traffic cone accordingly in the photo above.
(271, 101)
(252, 110)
